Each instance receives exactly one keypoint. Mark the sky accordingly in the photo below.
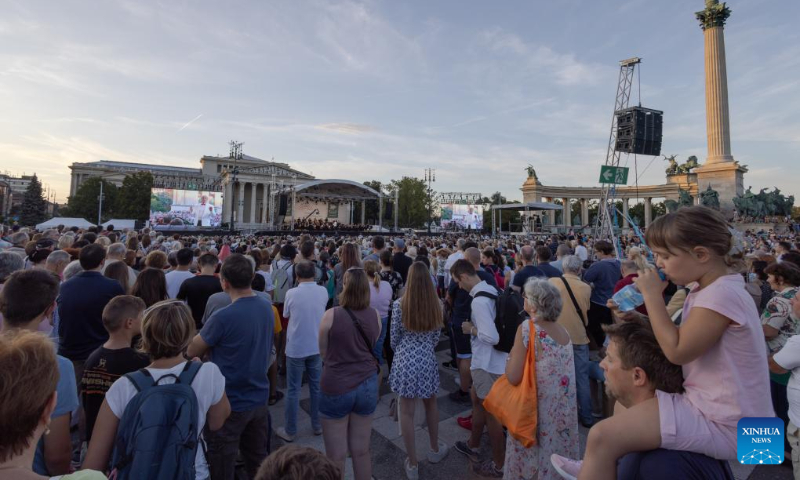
(377, 90)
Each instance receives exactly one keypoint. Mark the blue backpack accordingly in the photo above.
(157, 434)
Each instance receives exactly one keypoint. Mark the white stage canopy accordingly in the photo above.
(333, 189)
(66, 221)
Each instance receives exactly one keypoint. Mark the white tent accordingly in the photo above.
(120, 224)
(66, 221)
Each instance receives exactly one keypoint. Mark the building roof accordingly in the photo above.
(528, 206)
(143, 166)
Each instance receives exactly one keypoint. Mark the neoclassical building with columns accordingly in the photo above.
(247, 198)
(534, 191)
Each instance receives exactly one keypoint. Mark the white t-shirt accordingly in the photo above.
(304, 307)
(789, 358)
(174, 280)
(451, 260)
(208, 385)
(582, 253)
(380, 299)
(484, 355)
(268, 278)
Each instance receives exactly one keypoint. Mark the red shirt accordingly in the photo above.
(624, 282)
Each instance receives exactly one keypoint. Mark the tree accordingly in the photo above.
(506, 216)
(34, 206)
(133, 200)
(373, 208)
(84, 203)
(413, 201)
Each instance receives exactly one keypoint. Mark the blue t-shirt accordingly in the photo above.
(66, 402)
(525, 273)
(663, 464)
(240, 337)
(603, 275)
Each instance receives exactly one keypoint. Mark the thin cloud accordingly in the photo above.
(190, 122)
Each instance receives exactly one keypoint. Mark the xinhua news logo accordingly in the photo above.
(760, 441)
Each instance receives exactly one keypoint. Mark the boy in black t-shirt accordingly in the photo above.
(122, 318)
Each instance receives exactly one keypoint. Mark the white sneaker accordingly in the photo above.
(281, 432)
(566, 467)
(436, 457)
(411, 472)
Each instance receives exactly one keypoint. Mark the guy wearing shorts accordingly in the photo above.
(487, 365)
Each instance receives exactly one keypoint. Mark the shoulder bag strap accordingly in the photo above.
(574, 302)
(363, 334)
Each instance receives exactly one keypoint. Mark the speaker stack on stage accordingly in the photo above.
(639, 131)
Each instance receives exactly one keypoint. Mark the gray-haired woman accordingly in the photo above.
(555, 378)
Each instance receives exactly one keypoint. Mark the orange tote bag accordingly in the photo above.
(516, 407)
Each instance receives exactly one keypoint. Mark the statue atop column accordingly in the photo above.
(531, 172)
(691, 163)
(672, 169)
(714, 15)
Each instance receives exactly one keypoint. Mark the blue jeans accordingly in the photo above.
(378, 348)
(312, 365)
(362, 400)
(583, 367)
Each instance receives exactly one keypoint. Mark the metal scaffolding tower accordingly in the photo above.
(607, 214)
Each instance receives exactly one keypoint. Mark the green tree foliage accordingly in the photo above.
(34, 205)
(84, 203)
(506, 216)
(372, 208)
(133, 200)
(413, 197)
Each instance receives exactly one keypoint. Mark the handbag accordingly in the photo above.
(366, 339)
(516, 406)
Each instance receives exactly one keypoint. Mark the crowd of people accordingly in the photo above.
(129, 351)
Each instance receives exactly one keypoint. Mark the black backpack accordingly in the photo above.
(509, 314)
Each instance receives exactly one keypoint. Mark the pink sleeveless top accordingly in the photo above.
(731, 380)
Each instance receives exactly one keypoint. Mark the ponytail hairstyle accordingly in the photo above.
(372, 269)
(697, 226)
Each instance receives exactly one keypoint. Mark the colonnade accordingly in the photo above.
(584, 219)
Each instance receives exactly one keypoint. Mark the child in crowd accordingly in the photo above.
(167, 330)
(122, 318)
(298, 463)
(720, 346)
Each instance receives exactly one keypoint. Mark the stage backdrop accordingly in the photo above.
(465, 216)
(185, 207)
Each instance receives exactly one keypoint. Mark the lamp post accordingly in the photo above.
(430, 176)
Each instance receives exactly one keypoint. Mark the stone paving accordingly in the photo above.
(388, 451)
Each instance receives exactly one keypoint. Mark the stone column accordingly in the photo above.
(584, 211)
(227, 203)
(567, 212)
(648, 211)
(240, 205)
(264, 202)
(712, 21)
(625, 212)
(363, 211)
(253, 214)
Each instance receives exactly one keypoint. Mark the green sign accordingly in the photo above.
(618, 175)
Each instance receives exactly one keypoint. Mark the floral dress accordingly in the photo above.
(778, 315)
(558, 421)
(415, 373)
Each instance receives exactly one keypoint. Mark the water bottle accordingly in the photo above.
(630, 297)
